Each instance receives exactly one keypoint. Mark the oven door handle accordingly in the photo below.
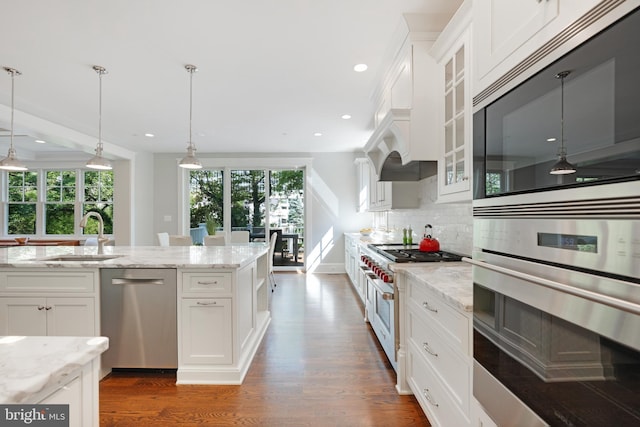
(388, 296)
(582, 293)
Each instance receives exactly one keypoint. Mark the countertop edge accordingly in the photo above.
(451, 280)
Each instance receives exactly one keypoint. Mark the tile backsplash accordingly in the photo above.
(452, 222)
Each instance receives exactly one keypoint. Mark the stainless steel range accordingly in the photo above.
(381, 304)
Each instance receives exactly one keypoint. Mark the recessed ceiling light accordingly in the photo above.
(360, 68)
(149, 135)
(551, 139)
(346, 116)
(317, 134)
(39, 141)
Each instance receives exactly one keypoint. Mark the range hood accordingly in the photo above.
(405, 144)
(402, 151)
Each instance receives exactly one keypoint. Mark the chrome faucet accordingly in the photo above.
(101, 239)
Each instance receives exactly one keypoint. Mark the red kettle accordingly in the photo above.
(427, 244)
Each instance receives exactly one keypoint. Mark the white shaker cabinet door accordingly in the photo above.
(206, 331)
(23, 316)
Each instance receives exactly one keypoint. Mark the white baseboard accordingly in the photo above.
(329, 268)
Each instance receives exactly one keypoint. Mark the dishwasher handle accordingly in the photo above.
(137, 281)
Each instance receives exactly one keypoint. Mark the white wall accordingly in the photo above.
(334, 196)
(331, 194)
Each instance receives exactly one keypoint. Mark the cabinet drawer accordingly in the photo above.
(206, 282)
(453, 369)
(454, 326)
(430, 392)
(47, 281)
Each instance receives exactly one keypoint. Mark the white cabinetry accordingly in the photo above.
(387, 195)
(436, 338)
(80, 392)
(453, 52)
(364, 180)
(374, 195)
(39, 303)
(206, 331)
(352, 264)
(513, 39)
(222, 317)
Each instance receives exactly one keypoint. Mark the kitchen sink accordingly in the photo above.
(79, 258)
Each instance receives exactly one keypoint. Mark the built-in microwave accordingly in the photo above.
(579, 118)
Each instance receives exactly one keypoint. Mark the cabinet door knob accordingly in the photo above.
(41, 307)
(48, 308)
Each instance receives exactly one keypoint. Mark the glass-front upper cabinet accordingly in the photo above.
(454, 166)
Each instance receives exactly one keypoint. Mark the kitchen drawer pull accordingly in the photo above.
(200, 282)
(425, 346)
(206, 303)
(427, 306)
(428, 396)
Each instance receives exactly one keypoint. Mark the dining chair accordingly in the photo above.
(163, 239)
(215, 240)
(240, 236)
(179, 240)
(272, 251)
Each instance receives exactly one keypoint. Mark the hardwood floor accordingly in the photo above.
(319, 365)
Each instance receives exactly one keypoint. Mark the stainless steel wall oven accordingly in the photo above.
(557, 307)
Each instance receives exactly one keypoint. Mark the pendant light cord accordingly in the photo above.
(561, 75)
(190, 104)
(101, 71)
(13, 73)
(100, 108)
(191, 69)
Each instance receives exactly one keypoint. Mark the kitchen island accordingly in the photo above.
(222, 299)
(52, 370)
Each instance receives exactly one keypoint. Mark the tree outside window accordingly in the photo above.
(22, 198)
(206, 194)
(60, 201)
(98, 197)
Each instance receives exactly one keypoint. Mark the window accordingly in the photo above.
(98, 197)
(206, 197)
(50, 202)
(23, 197)
(60, 202)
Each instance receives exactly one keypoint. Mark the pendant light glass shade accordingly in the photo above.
(97, 161)
(11, 163)
(190, 161)
(562, 166)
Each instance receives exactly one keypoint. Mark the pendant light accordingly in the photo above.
(97, 161)
(11, 163)
(190, 161)
(562, 166)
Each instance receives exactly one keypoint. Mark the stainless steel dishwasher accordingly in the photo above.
(139, 315)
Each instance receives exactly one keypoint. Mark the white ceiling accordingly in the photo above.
(271, 73)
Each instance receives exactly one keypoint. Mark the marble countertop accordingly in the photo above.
(29, 365)
(452, 280)
(375, 237)
(231, 256)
